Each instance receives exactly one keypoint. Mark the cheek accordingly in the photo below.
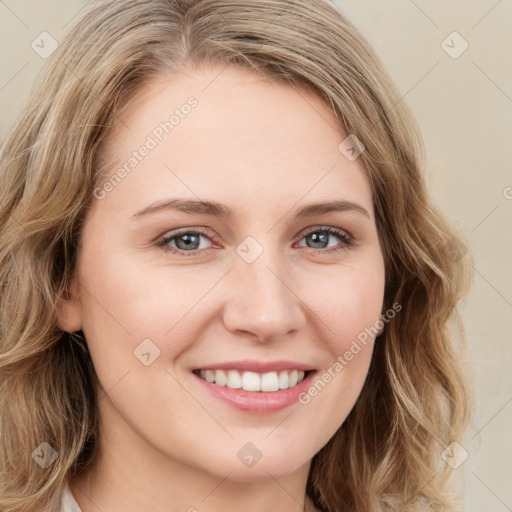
(348, 300)
(349, 310)
(130, 309)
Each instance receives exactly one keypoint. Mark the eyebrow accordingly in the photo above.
(216, 209)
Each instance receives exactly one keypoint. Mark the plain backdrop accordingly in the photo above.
(463, 103)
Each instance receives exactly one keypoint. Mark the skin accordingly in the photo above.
(264, 149)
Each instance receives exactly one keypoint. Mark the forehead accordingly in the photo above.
(233, 134)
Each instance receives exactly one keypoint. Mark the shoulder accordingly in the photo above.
(68, 502)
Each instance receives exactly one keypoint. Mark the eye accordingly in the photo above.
(319, 237)
(186, 242)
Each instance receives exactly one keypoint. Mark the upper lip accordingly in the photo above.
(257, 366)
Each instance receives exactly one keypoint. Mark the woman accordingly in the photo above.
(224, 283)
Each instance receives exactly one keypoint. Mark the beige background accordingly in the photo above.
(464, 107)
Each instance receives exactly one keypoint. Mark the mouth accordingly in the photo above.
(267, 382)
(259, 387)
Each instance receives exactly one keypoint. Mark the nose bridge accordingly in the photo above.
(263, 303)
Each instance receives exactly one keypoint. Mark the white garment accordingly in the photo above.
(68, 503)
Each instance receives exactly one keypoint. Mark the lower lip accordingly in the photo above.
(258, 401)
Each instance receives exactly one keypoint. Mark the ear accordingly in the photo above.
(69, 314)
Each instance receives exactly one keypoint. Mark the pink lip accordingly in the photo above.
(257, 401)
(247, 365)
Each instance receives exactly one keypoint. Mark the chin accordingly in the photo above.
(263, 469)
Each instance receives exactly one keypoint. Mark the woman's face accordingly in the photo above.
(169, 284)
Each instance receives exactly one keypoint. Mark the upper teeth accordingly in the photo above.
(251, 381)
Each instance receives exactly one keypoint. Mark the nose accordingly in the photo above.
(262, 301)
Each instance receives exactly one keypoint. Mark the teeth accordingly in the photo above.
(283, 380)
(220, 378)
(234, 380)
(252, 381)
(270, 381)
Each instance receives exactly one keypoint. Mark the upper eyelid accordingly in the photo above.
(307, 231)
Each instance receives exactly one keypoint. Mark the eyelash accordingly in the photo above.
(346, 239)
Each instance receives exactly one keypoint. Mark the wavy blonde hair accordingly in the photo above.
(416, 400)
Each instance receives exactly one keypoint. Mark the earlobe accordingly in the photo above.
(69, 316)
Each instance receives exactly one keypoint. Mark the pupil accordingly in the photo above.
(188, 240)
(316, 238)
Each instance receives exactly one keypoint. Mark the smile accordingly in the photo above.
(253, 381)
